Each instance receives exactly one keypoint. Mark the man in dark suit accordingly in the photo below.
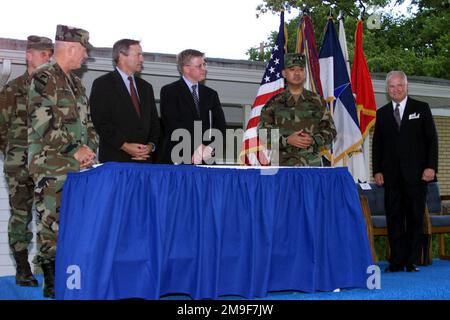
(123, 108)
(404, 159)
(188, 103)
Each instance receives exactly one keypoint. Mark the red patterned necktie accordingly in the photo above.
(134, 97)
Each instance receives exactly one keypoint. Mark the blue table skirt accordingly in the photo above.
(136, 230)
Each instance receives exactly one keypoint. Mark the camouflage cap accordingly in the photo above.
(39, 43)
(294, 59)
(72, 34)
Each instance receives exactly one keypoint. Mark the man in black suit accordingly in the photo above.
(187, 103)
(405, 159)
(123, 108)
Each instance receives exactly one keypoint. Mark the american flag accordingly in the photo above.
(252, 151)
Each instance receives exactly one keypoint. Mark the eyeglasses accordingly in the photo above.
(203, 65)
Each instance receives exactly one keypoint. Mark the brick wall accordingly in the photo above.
(443, 128)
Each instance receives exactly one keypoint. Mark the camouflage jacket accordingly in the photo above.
(13, 124)
(59, 121)
(309, 113)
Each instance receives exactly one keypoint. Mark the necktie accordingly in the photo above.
(196, 100)
(398, 120)
(134, 97)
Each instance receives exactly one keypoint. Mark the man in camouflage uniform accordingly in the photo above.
(304, 122)
(61, 137)
(13, 135)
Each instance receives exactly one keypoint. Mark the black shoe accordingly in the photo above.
(412, 268)
(394, 268)
(49, 292)
(49, 279)
(26, 280)
(24, 276)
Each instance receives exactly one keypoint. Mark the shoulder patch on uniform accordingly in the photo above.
(40, 81)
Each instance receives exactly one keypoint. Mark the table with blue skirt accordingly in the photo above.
(146, 231)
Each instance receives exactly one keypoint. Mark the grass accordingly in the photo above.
(381, 242)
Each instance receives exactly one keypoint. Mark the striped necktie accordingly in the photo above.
(398, 120)
(195, 96)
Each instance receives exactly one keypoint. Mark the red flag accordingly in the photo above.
(252, 151)
(362, 86)
(307, 46)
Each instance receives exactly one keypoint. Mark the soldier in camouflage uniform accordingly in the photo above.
(13, 134)
(61, 137)
(304, 122)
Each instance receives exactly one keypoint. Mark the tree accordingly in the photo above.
(418, 44)
(348, 6)
(318, 10)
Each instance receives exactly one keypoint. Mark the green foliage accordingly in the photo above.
(348, 6)
(381, 244)
(255, 54)
(418, 44)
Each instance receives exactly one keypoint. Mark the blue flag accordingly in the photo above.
(337, 91)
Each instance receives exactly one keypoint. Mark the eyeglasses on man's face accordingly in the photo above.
(198, 66)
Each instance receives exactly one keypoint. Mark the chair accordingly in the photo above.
(439, 216)
(372, 205)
